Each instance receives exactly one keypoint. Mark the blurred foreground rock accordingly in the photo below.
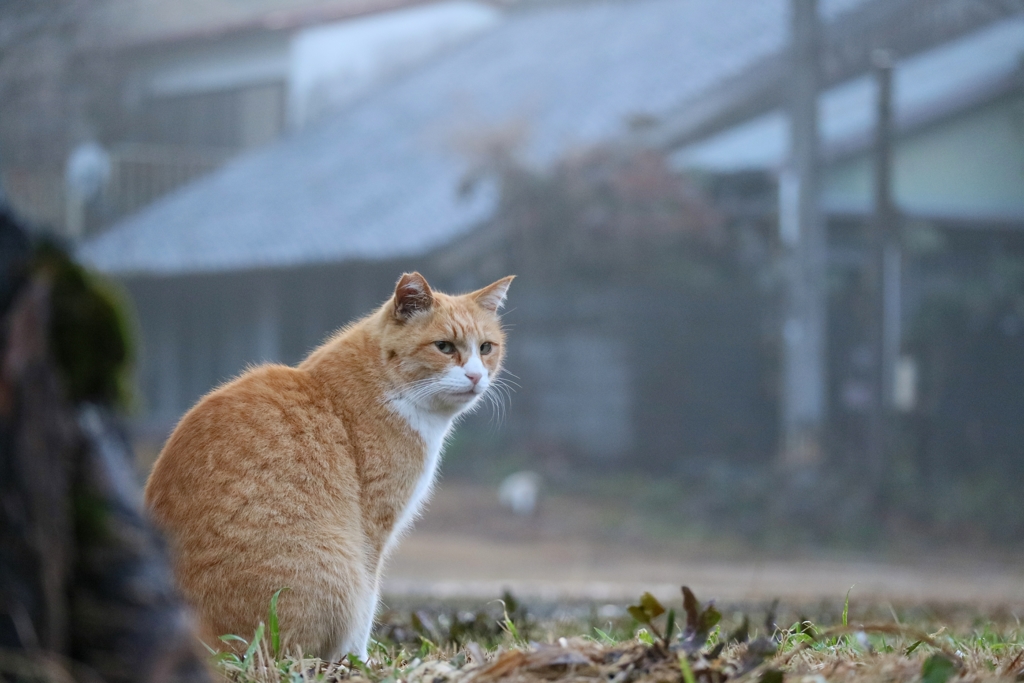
(85, 589)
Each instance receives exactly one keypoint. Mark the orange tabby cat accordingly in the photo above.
(305, 477)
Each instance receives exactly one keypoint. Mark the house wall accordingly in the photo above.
(198, 331)
(209, 66)
(963, 333)
(275, 79)
(971, 166)
(574, 362)
(657, 374)
(226, 94)
(607, 373)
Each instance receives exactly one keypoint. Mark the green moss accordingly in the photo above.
(89, 330)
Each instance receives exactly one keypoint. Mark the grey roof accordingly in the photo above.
(926, 87)
(380, 179)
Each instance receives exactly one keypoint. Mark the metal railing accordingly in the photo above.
(142, 173)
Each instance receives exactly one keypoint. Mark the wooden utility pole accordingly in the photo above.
(802, 233)
(884, 279)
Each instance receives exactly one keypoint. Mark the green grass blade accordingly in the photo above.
(846, 607)
(509, 625)
(256, 640)
(273, 625)
(684, 668)
(937, 669)
(230, 657)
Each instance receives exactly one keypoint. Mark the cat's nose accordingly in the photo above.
(474, 376)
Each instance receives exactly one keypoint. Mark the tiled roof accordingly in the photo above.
(380, 179)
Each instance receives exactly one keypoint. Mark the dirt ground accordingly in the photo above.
(466, 545)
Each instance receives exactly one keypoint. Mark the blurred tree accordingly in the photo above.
(614, 216)
(85, 588)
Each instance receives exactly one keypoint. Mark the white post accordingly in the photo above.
(802, 233)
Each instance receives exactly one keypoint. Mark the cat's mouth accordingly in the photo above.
(465, 395)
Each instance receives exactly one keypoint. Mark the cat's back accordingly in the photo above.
(270, 429)
(256, 491)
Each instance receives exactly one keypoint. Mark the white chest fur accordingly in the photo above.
(432, 429)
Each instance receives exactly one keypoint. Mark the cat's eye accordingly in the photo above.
(485, 348)
(445, 347)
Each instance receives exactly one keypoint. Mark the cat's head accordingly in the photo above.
(443, 352)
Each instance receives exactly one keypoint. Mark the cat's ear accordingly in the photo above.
(492, 297)
(412, 296)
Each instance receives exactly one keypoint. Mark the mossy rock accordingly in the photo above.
(90, 330)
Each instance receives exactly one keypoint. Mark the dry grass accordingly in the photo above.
(496, 644)
(581, 660)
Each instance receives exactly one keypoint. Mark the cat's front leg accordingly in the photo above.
(364, 611)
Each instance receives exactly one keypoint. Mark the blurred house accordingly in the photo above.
(261, 259)
(175, 90)
(959, 149)
(958, 184)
